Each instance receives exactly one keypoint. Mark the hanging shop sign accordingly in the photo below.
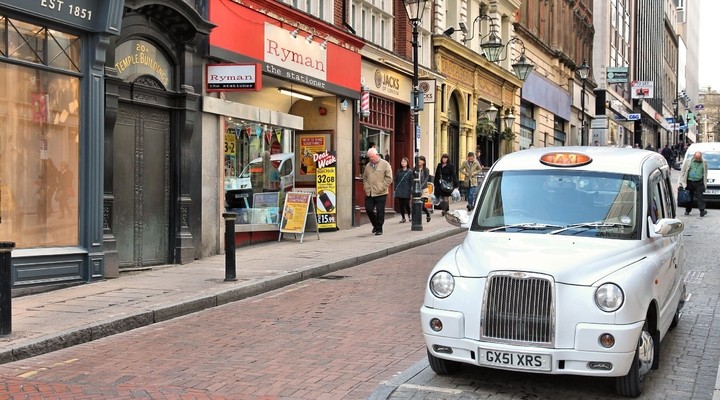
(641, 90)
(326, 186)
(617, 74)
(233, 77)
(427, 86)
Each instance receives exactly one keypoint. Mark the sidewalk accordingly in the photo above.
(45, 322)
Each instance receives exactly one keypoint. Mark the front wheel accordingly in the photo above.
(441, 366)
(632, 384)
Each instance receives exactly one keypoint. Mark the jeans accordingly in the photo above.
(472, 190)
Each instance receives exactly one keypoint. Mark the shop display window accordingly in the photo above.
(39, 136)
(258, 173)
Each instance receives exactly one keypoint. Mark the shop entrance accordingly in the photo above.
(453, 137)
(141, 186)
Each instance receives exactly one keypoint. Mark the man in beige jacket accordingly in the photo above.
(377, 177)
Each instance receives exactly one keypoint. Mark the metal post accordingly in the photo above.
(583, 139)
(6, 249)
(230, 246)
(416, 224)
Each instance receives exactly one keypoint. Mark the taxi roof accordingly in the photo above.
(607, 159)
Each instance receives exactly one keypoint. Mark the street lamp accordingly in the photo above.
(415, 9)
(675, 120)
(583, 71)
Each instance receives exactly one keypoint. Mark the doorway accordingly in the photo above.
(141, 186)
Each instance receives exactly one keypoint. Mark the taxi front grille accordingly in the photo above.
(519, 307)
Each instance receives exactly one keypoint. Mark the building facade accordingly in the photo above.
(613, 51)
(51, 137)
(555, 105)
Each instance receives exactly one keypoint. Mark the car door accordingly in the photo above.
(663, 248)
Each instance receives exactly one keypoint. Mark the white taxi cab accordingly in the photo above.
(573, 264)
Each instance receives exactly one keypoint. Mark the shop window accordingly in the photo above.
(259, 171)
(39, 157)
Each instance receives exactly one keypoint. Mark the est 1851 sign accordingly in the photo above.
(90, 15)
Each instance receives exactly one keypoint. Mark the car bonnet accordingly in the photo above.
(571, 260)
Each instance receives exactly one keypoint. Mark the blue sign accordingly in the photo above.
(633, 117)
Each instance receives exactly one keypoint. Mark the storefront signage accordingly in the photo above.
(233, 77)
(295, 212)
(92, 15)
(427, 86)
(641, 90)
(294, 57)
(633, 117)
(331, 66)
(387, 82)
(326, 186)
(617, 74)
(136, 58)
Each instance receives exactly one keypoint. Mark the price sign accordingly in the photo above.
(326, 185)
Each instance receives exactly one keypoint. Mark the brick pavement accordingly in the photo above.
(54, 320)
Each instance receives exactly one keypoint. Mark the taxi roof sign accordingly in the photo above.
(565, 159)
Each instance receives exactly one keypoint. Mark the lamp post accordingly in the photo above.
(415, 9)
(583, 71)
(675, 121)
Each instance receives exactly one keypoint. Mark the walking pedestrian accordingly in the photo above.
(470, 169)
(446, 181)
(403, 184)
(693, 176)
(668, 154)
(424, 178)
(377, 178)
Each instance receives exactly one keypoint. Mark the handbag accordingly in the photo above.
(446, 186)
(683, 197)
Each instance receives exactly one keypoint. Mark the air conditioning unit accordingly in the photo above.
(681, 18)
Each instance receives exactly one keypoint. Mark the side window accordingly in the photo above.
(657, 205)
(669, 197)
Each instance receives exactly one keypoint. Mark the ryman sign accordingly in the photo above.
(233, 77)
(294, 58)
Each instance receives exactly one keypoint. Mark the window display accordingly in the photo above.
(257, 172)
(39, 135)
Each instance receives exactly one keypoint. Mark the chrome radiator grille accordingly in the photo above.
(519, 307)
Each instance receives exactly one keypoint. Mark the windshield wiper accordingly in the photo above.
(591, 225)
(525, 226)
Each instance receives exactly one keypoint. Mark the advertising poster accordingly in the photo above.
(326, 185)
(295, 212)
(307, 145)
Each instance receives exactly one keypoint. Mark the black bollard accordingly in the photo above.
(230, 246)
(6, 249)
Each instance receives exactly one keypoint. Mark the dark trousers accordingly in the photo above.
(404, 207)
(697, 190)
(375, 208)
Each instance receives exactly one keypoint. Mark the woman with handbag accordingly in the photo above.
(446, 181)
(404, 179)
(424, 178)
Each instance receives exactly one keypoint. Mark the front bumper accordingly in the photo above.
(572, 361)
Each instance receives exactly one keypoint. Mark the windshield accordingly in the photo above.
(561, 202)
(713, 159)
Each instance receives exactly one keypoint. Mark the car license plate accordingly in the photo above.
(712, 191)
(509, 359)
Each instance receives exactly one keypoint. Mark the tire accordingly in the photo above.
(632, 384)
(441, 366)
(676, 319)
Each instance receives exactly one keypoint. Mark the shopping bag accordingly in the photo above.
(683, 197)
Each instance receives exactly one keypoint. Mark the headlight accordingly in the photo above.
(609, 297)
(442, 284)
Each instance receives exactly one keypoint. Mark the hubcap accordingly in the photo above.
(646, 353)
